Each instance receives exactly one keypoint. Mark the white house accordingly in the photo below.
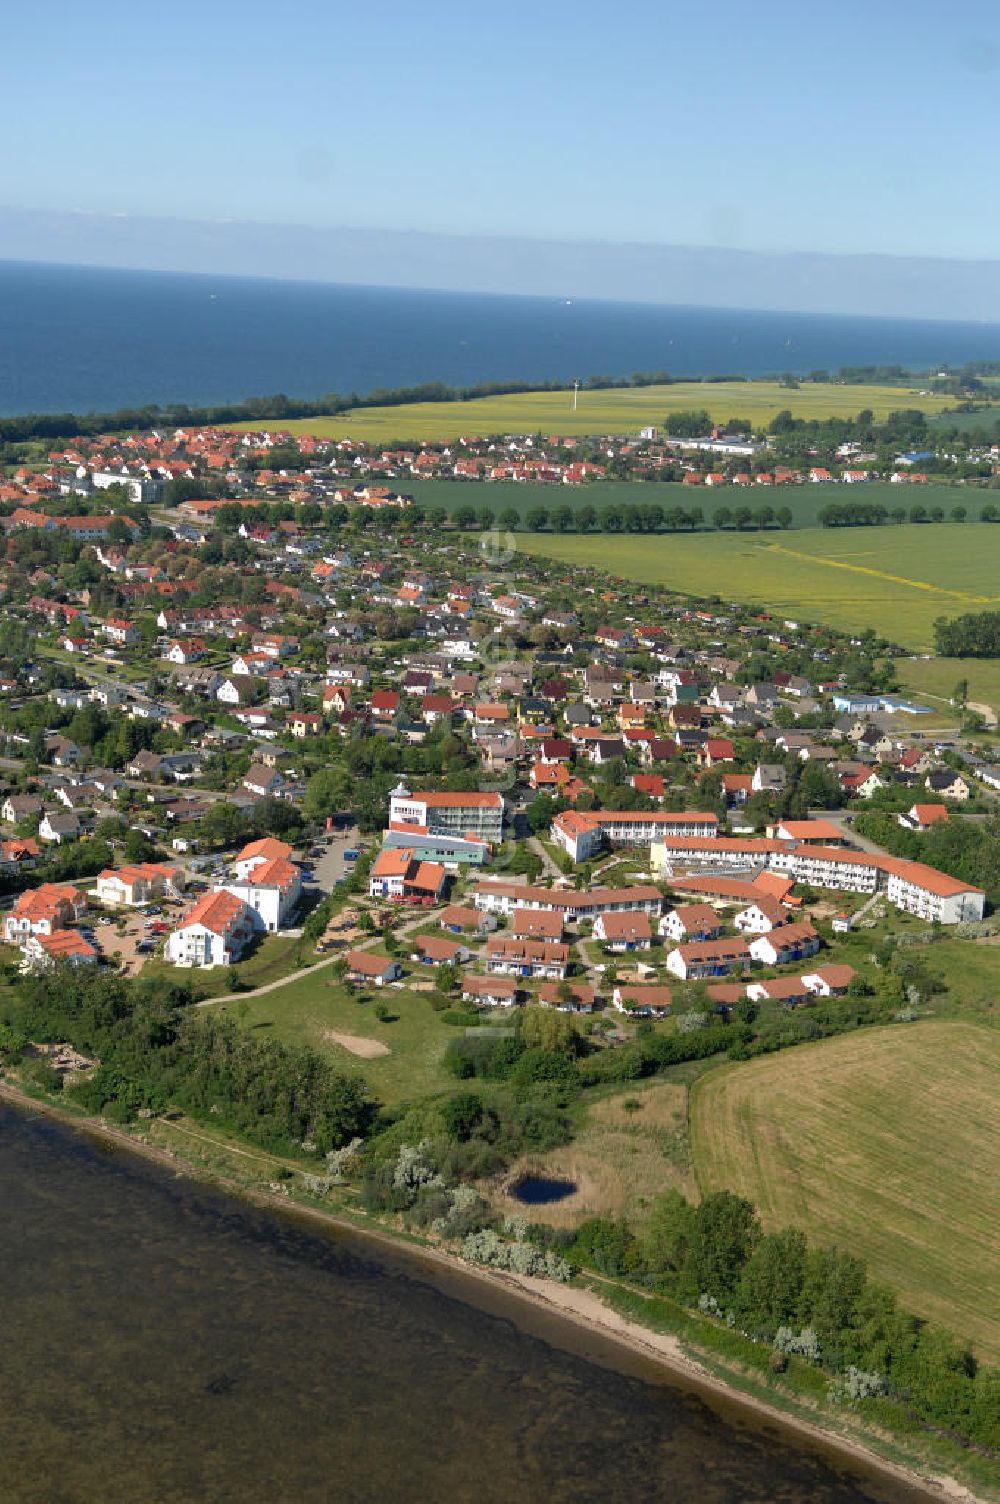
(790, 942)
(68, 946)
(271, 892)
(252, 856)
(142, 882)
(213, 932)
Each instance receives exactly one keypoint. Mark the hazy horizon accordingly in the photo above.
(921, 288)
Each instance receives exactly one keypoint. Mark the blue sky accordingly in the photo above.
(838, 128)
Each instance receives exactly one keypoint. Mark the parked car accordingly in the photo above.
(351, 854)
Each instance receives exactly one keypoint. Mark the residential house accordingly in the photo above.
(371, 970)
(213, 932)
(789, 942)
(271, 891)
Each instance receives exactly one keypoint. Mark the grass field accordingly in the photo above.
(884, 1143)
(894, 579)
(623, 410)
(313, 1008)
(935, 678)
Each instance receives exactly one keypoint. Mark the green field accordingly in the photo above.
(936, 678)
(624, 410)
(313, 1007)
(884, 1143)
(805, 502)
(894, 579)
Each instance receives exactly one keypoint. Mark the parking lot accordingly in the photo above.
(128, 934)
(327, 868)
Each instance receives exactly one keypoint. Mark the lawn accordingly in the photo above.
(896, 579)
(273, 956)
(935, 678)
(312, 1008)
(623, 410)
(884, 1143)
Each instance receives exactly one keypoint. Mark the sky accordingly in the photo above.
(857, 128)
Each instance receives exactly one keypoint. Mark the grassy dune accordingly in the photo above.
(894, 579)
(621, 411)
(884, 1143)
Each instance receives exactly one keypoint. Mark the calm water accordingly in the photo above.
(540, 1190)
(80, 339)
(162, 1342)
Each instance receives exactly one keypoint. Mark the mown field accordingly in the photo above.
(624, 410)
(896, 580)
(884, 1143)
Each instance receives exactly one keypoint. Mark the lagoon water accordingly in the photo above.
(163, 1343)
(84, 339)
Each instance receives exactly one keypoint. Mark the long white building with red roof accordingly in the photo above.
(450, 813)
(582, 834)
(912, 886)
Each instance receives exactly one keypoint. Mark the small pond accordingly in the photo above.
(539, 1190)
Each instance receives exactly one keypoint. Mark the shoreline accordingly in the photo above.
(577, 1305)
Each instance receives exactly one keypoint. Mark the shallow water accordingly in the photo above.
(164, 1342)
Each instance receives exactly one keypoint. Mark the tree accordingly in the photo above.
(722, 517)
(537, 519)
(723, 1233)
(668, 1233)
(770, 1286)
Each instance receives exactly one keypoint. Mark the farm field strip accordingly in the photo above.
(621, 410)
(879, 574)
(884, 1143)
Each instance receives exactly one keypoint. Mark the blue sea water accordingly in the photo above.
(88, 339)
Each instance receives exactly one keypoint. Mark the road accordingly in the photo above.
(844, 824)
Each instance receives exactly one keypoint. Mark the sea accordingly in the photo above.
(84, 339)
(166, 1343)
